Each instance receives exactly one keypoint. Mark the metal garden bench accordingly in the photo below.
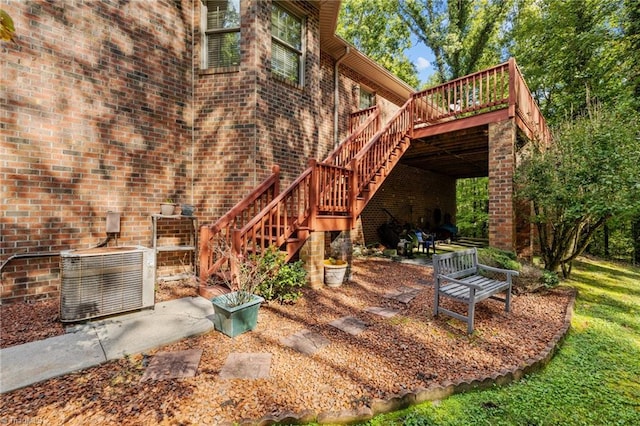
(458, 275)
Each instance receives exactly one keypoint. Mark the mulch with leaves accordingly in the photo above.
(390, 357)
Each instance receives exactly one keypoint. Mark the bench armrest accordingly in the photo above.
(493, 269)
(453, 280)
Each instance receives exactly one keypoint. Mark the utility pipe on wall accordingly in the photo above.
(336, 88)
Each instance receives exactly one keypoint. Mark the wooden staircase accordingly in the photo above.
(327, 196)
(330, 195)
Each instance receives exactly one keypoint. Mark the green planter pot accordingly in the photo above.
(234, 320)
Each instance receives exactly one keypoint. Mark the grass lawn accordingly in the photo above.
(593, 380)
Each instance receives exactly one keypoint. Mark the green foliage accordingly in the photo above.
(592, 380)
(549, 279)
(464, 35)
(375, 28)
(281, 279)
(619, 240)
(499, 258)
(573, 51)
(472, 207)
(588, 176)
(7, 29)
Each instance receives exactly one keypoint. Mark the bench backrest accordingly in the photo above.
(456, 264)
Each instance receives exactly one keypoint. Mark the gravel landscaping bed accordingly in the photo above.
(392, 356)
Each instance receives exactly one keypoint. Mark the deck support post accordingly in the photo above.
(502, 163)
(312, 254)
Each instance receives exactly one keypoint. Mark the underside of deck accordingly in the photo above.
(457, 148)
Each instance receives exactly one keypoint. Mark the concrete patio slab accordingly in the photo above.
(44, 359)
(95, 342)
(141, 331)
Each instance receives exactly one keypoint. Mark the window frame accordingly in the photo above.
(206, 32)
(300, 53)
(371, 96)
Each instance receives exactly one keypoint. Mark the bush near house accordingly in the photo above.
(282, 279)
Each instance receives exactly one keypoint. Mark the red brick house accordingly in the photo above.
(116, 107)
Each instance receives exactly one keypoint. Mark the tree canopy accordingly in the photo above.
(375, 28)
(464, 35)
(572, 52)
(589, 175)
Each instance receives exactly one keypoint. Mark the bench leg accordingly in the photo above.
(436, 298)
(470, 314)
(507, 300)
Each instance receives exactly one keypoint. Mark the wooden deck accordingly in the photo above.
(443, 129)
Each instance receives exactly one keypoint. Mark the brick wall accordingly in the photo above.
(107, 109)
(502, 160)
(414, 204)
(95, 116)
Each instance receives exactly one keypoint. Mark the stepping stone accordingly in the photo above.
(246, 366)
(403, 295)
(351, 325)
(305, 341)
(383, 312)
(173, 365)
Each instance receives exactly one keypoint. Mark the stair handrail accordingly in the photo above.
(273, 210)
(376, 152)
(357, 118)
(344, 152)
(253, 202)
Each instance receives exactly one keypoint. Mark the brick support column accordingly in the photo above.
(312, 254)
(502, 223)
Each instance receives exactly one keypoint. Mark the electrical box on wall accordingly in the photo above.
(113, 223)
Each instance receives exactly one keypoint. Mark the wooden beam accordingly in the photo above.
(462, 123)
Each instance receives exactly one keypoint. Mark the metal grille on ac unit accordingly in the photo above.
(105, 281)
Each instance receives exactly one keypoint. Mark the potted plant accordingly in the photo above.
(237, 311)
(187, 210)
(168, 208)
(334, 271)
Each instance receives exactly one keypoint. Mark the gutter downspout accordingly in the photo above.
(336, 95)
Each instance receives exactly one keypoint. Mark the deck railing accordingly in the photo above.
(468, 95)
(278, 220)
(495, 88)
(322, 188)
(368, 126)
(526, 108)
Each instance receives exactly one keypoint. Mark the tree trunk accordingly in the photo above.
(635, 233)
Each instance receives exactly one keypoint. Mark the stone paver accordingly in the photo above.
(403, 294)
(351, 325)
(383, 312)
(173, 365)
(246, 366)
(306, 341)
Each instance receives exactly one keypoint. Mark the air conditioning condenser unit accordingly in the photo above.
(104, 281)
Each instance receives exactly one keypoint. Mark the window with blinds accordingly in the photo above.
(367, 99)
(222, 33)
(286, 45)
